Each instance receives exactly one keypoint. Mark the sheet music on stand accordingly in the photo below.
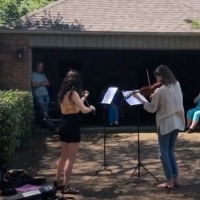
(109, 95)
(133, 100)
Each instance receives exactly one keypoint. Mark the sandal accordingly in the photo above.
(164, 185)
(68, 190)
(57, 185)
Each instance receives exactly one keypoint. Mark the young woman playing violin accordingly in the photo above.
(71, 104)
(167, 101)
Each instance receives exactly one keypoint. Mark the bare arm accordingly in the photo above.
(76, 99)
(86, 93)
(45, 83)
(83, 99)
(196, 99)
(35, 84)
(38, 84)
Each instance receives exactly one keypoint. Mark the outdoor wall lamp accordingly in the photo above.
(20, 53)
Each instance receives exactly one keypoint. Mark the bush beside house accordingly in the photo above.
(16, 120)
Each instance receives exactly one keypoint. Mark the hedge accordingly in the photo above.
(16, 120)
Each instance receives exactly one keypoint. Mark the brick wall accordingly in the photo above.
(14, 72)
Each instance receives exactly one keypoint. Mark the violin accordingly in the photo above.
(146, 90)
(86, 102)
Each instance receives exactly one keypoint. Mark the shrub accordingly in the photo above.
(16, 120)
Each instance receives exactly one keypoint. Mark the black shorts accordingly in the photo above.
(69, 129)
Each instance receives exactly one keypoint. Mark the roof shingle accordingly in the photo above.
(124, 15)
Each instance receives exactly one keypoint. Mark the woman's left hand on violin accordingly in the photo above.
(86, 93)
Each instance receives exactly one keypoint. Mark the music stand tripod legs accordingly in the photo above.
(140, 165)
(105, 166)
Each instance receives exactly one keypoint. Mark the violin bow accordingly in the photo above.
(148, 76)
(87, 103)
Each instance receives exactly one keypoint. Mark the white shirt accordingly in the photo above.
(168, 103)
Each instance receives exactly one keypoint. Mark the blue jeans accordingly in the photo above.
(42, 102)
(113, 114)
(166, 147)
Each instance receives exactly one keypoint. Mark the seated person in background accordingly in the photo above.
(193, 115)
(113, 110)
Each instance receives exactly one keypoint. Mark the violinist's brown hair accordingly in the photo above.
(166, 74)
(72, 82)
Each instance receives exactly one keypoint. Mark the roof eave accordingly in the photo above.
(61, 32)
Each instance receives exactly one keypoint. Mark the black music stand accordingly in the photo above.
(105, 166)
(139, 164)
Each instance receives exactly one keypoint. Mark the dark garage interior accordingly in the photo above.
(123, 68)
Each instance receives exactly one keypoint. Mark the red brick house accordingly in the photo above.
(92, 24)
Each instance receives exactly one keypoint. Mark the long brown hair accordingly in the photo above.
(72, 82)
(168, 78)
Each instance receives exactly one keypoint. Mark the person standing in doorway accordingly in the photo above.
(167, 101)
(40, 93)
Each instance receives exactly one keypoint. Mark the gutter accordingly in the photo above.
(61, 32)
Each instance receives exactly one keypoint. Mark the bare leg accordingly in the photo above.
(194, 123)
(195, 120)
(72, 149)
(61, 161)
(190, 116)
